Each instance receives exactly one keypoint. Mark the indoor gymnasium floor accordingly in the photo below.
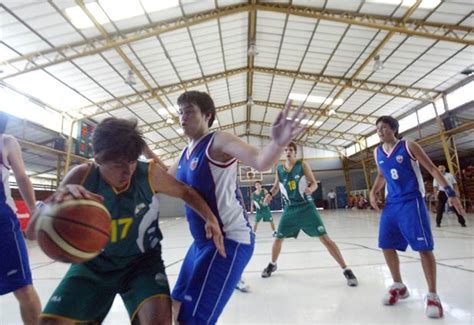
(308, 287)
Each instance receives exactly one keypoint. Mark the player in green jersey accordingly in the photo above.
(296, 181)
(131, 263)
(262, 210)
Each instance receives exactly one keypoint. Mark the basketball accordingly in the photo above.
(74, 230)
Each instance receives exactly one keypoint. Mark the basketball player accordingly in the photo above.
(130, 264)
(405, 219)
(262, 210)
(15, 273)
(443, 198)
(296, 181)
(209, 164)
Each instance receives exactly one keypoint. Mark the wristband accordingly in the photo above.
(449, 191)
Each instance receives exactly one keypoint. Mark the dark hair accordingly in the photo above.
(201, 100)
(258, 182)
(392, 122)
(116, 138)
(3, 122)
(293, 145)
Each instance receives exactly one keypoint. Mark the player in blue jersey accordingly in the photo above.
(209, 164)
(405, 219)
(15, 273)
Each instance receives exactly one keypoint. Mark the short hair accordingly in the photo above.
(3, 122)
(293, 145)
(201, 100)
(258, 182)
(116, 138)
(392, 122)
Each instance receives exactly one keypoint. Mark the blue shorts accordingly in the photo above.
(404, 223)
(14, 265)
(207, 280)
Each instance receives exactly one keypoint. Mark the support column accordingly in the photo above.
(451, 155)
(366, 167)
(347, 179)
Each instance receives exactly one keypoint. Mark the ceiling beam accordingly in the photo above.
(415, 93)
(46, 58)
(251, 41)
(413, 27)
(303, 143)
(107, 106)
(128, 100)
(316, 131)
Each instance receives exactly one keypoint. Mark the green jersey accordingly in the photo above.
(134, 211)
(258, 200)
(293, 183)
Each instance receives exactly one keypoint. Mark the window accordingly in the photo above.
(373, 140)
(439, 105)
(426, 113)
(350, 150)
(460, 96)
(407, 123)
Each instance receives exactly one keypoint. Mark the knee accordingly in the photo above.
(326, 240)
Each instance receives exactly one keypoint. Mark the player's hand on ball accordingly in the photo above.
(77, 191)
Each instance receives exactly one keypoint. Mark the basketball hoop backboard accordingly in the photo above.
(248, 174)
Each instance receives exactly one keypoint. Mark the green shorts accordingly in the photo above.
(300, 217)
(86, 295)
(265, 214)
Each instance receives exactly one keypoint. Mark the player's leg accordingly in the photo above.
(213, 281)
(442, 199)
(30, 306)
(391, 239)
(288, 227)
(146, 291)
(416, 228)
(312, 224)
(15, 272)
(83, 296)
(255, 226)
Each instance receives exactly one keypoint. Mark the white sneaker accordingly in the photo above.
(394, 294)
(434, 309)
(242, 286)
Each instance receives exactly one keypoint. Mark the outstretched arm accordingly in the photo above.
(284, 129)
(16, 162)
(420, 155)
(148, 153)
(377, 186)
(167, 184)
(273, 191)
(308, 173)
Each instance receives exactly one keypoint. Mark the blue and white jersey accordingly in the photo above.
(403, 180)
(6, 200)
(217, 183)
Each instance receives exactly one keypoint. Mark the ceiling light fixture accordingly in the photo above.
(316, 99)
(250, 101)
(253, 51)
(378, 64)
(130, 80)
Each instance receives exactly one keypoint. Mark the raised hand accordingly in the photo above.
(285, 129)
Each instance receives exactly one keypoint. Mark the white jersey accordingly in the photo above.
(216, 182)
